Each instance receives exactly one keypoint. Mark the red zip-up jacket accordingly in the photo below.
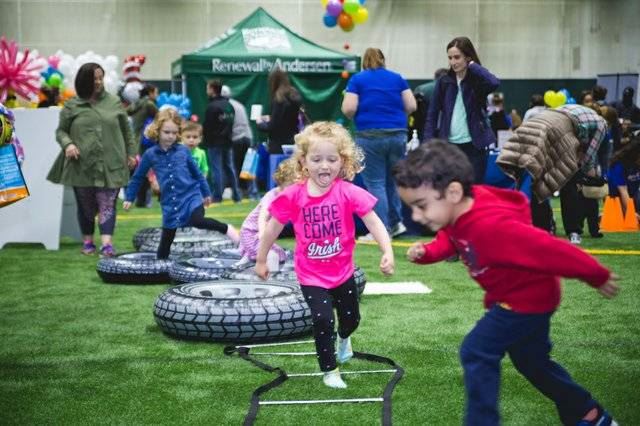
(517, 265)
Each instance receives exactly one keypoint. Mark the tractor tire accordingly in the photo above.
(134, 268)
(233, 311)
(200, 269)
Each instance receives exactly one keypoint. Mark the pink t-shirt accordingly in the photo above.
(324, 228)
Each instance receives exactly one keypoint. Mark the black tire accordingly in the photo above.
(248, 273)
(230, 253)
(200, 269)
(192, 246)
(233, 311)
(134, 268)
(148, 235)
(286, 273)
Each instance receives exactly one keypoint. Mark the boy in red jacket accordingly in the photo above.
(518, 266)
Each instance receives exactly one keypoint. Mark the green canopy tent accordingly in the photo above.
(245, 54)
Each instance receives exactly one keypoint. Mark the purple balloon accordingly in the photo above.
(334, 7)
(330, 21)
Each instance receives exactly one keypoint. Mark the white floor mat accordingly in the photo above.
(407, 287)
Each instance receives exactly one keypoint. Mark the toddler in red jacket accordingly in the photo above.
(518, 266)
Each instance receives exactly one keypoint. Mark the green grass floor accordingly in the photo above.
(77, 351)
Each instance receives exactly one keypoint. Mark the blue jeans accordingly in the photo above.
(381, 153)
(221, 161)
(525, 337)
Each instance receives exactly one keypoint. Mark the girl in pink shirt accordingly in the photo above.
(255, 223)
(321, 207)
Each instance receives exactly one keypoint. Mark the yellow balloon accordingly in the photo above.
(361, 15)
(549, 98)
(324, 3)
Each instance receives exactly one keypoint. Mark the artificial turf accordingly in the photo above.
(77, 351)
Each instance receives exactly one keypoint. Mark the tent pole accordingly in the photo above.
(183, 85)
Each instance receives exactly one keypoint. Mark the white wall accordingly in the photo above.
(514, 38)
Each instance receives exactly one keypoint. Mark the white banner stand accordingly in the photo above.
(39, 218)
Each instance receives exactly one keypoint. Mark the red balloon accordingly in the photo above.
(347, 46)
(344, 74)
(194, 118)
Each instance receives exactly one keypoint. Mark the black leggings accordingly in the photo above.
(321, 301)
(196, 220)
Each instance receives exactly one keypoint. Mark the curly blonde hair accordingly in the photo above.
(352, 156)
(286, 173)
(169, 114)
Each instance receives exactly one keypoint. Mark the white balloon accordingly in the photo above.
(110, 63)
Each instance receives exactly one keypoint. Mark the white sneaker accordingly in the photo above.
(398, 229)
(345, 351)
(226, 193)
(575, 238)
(366, 238)
(333, 380)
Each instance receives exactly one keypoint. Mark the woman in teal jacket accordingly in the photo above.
(98, 150)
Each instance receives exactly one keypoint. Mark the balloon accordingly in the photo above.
(549, 98)
(554, 99)
(362, 2)
(54, 80)
(324, 3)
(361, 16)
(54, 61)
(67, 93)
(345, 21)
(162, 99)
(329, 21)
(346, 46)
(334, 8)
(571, 101)
(110, 63)
(344, 74)
(184, 113)
(351, 6)
(194, 118)
(561, 99)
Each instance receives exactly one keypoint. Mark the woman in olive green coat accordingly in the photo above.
(98, 150)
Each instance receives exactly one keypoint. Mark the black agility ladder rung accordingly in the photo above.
(250, 418)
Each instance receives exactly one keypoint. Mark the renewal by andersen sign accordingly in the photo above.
(266, 65)
(268, 40)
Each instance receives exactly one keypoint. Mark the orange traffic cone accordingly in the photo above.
(612, 219)
(630, 219)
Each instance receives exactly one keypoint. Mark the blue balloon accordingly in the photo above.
(174, 99)
(185, 113)
(162, 99)
(566, 93)
(362, 2)
(330, 21)
(571, 101)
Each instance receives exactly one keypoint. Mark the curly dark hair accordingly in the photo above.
(435, 163)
